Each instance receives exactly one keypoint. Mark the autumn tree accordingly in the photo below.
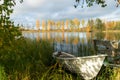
(52, 25)
(48, 25)
(67, 23)
(76, 23)
(110, 25)
(37, 24)
(83, 23)
(43, 25)
(58, 23)
(55, 27)
(88, 28)
(62, 25)
(72, 25)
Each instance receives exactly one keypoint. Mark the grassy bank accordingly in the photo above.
(26, 60)
(32, 60)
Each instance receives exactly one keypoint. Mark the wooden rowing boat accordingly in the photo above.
(88, 66)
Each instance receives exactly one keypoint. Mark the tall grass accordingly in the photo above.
(2, 73)
(32, 60)
(27, 59)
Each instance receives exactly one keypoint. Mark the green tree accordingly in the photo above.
(91, 25)
(72, 25)
(99, 24)
(117, 27)
(58, 25)
(8, 32)
(90, 3)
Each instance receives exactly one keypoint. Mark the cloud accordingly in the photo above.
(30, 10)
(1, 2)
(33, 3)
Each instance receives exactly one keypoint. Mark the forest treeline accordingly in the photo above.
(75, 25)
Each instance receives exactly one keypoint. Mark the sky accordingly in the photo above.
(31, 10)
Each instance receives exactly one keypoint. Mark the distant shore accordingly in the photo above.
(112, 31)
(52, 31)
(66, 31)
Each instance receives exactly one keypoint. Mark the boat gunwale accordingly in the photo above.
(75, 58)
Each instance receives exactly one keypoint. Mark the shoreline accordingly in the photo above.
(52, 31)
(112, 31)
(67, 31)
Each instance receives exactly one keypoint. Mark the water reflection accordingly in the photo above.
(108, 36)
(77, 43)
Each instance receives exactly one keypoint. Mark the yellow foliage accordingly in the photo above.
(37, 24)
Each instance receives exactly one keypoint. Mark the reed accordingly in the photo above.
(2, 73)
(32, 60)
(109, 73)
(27, 59)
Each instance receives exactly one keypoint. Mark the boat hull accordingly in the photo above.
(88, 67)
